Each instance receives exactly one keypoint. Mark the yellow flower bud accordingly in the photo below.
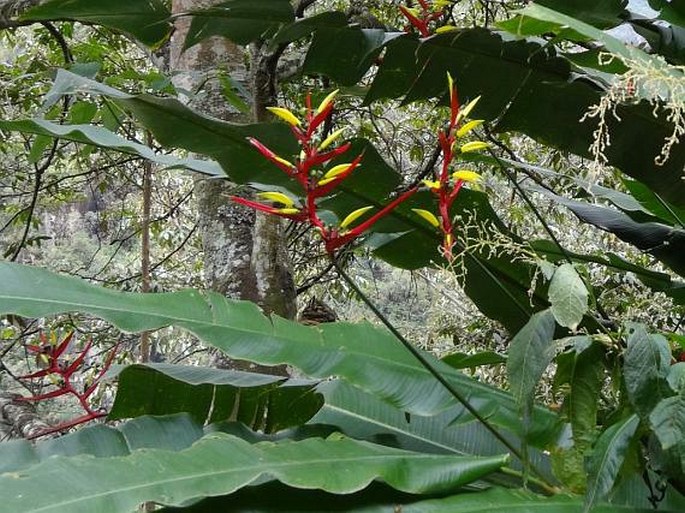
(474, 146)
(428, 216)
(278, 197)
(466, 175)
(328, 99)
(353, 216)
(466, 110)
(467, 127)
(285, 115)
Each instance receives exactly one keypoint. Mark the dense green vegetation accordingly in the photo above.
(588, 311)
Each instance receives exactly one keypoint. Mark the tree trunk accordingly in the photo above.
(11, 9)
(19, 418)
(245, 255)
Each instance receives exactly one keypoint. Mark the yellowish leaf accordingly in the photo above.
(353, 216)
(428, 216)
(445, 28)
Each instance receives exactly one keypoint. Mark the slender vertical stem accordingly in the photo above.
(145, 247)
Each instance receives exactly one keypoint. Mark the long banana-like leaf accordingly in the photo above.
(220, 464)
(366, 356)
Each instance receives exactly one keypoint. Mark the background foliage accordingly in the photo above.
(583, 110)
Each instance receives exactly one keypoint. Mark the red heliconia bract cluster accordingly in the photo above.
(447, 183)
(421, 18)
(315, 178)
(50, 357)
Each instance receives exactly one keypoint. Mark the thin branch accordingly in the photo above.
(66, 52)
(302, 7)
(40, 170)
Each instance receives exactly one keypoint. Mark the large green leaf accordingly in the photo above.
(668, 422)
(103, 138)
(530, 353)
(211, 395)
(305, 26)
(454, 431)
(219, 464)
(600, 13)
(585, 376)
(345, 53)
(646, 366)
(272, 498)
(241, 21)
(568, 296)
(607, 457)
(368, 357)
(172, 433)
(147, 21)
(659, 240)
(586, 382)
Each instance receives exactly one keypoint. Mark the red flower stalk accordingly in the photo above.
(50, 357)
(315, 182)
(446, 185)
(422, 18)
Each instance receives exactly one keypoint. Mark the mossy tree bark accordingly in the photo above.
(245, 255)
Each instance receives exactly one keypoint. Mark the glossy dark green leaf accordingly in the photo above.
(600, 13)
(147, 21)
(530, 353)
(607, 457)
(568, 296)
(212, 395)
(241, 21)
(646, 366)
(103, 138)
(305, 26)
(466, 361)
(362, 416)
(668, 213)
(219, 464)
(662, 241)
(346, 53)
